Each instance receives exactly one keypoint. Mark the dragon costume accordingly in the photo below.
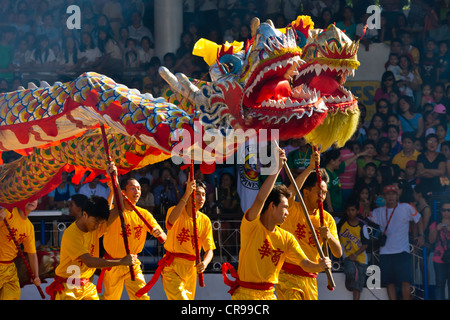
(290, 79)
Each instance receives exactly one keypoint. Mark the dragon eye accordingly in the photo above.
(301, 39)
(231, 64)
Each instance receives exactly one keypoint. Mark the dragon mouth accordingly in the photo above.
(328, 81)
(272, 96)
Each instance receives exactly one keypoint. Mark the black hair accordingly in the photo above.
(409, 135)
(278, 192)
(97, 207)
(79, 199)
(311, 180)
(332, 154)
(352, 203)
(124, 182)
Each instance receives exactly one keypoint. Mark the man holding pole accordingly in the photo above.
(23, 233)
(295, 282)
(138, 222)
(265, 246)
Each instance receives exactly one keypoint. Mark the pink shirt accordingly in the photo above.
(348, 178)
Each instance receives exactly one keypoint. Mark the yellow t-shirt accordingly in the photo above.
(180, 235)
(263, 252)
(23, 231)
(401, 160)
(74, 244)
(136, 233)
(296, 224)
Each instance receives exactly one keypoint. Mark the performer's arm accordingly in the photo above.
(313, 267)
(301, 178)
(32, 257)
(114, 212)
(184, 201)
(206, 260)
(334, 244)
(93, 262)
(265, 190)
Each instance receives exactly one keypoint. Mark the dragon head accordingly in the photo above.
(253, 85)
(330, 57)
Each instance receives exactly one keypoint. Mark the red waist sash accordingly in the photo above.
(57, 285)
(238, 283)
(297, 270)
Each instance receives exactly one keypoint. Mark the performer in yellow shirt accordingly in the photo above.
(265, 246)
(116, 278)
(177, 268)
(79, 257)
(24, 233)
(296, 283)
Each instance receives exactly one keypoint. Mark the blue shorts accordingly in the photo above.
(396, 268)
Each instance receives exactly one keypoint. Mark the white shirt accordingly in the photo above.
(398, 229)
(99, 190)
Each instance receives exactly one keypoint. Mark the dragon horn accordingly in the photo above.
(254, 25)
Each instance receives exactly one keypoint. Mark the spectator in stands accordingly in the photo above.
(123, 37)
(393, 133)
(112, 9)
(410, 173)
(426, 96)
(373, 134)
(167, 192)
(394, 98)
(387, 85)
(325, 19)
(347, 23)
(441, 133)
(43, 55)
(47, 28)
(130, 55)
(369, 149)
(90, 54)
(137, 30)
(60, 196)
(410, 120)
(383, 151)
(393, 65)
(439, 236)
(444, 62)
(369, 35)
(382, 106)
(439, 95)
(422, 206)
(298, 160)
(22, 26)
(409, 49)
(94, 188)
(147, 200)
(379, 121)
(445, 150)
(429, 63)
(410, 79)
(368, 179)
(354, 238)
(395, 261)
(146, 51)
(431, 165)
(408, 151)
(68, 57)
(111, 60)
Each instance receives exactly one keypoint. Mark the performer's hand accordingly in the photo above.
(325, 263)
(129, 260)
(158, 233)
(315, 157)
(201, 267)
(324, 232)
(281, 158)
(37, 281)
(190, 187)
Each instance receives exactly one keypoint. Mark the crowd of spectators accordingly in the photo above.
(405, 141)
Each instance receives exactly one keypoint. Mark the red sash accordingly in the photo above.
(57, 286)
(165, 261)
(297, 270)
(238, 283)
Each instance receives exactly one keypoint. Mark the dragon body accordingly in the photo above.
(265, 83)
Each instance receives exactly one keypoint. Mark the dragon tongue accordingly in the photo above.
(275, 89)
(325, 84)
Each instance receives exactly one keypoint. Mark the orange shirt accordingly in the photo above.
(263, 252)
(136, 233)
(23, 231)
(296, 224)
(180, 235)
(74, 244)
